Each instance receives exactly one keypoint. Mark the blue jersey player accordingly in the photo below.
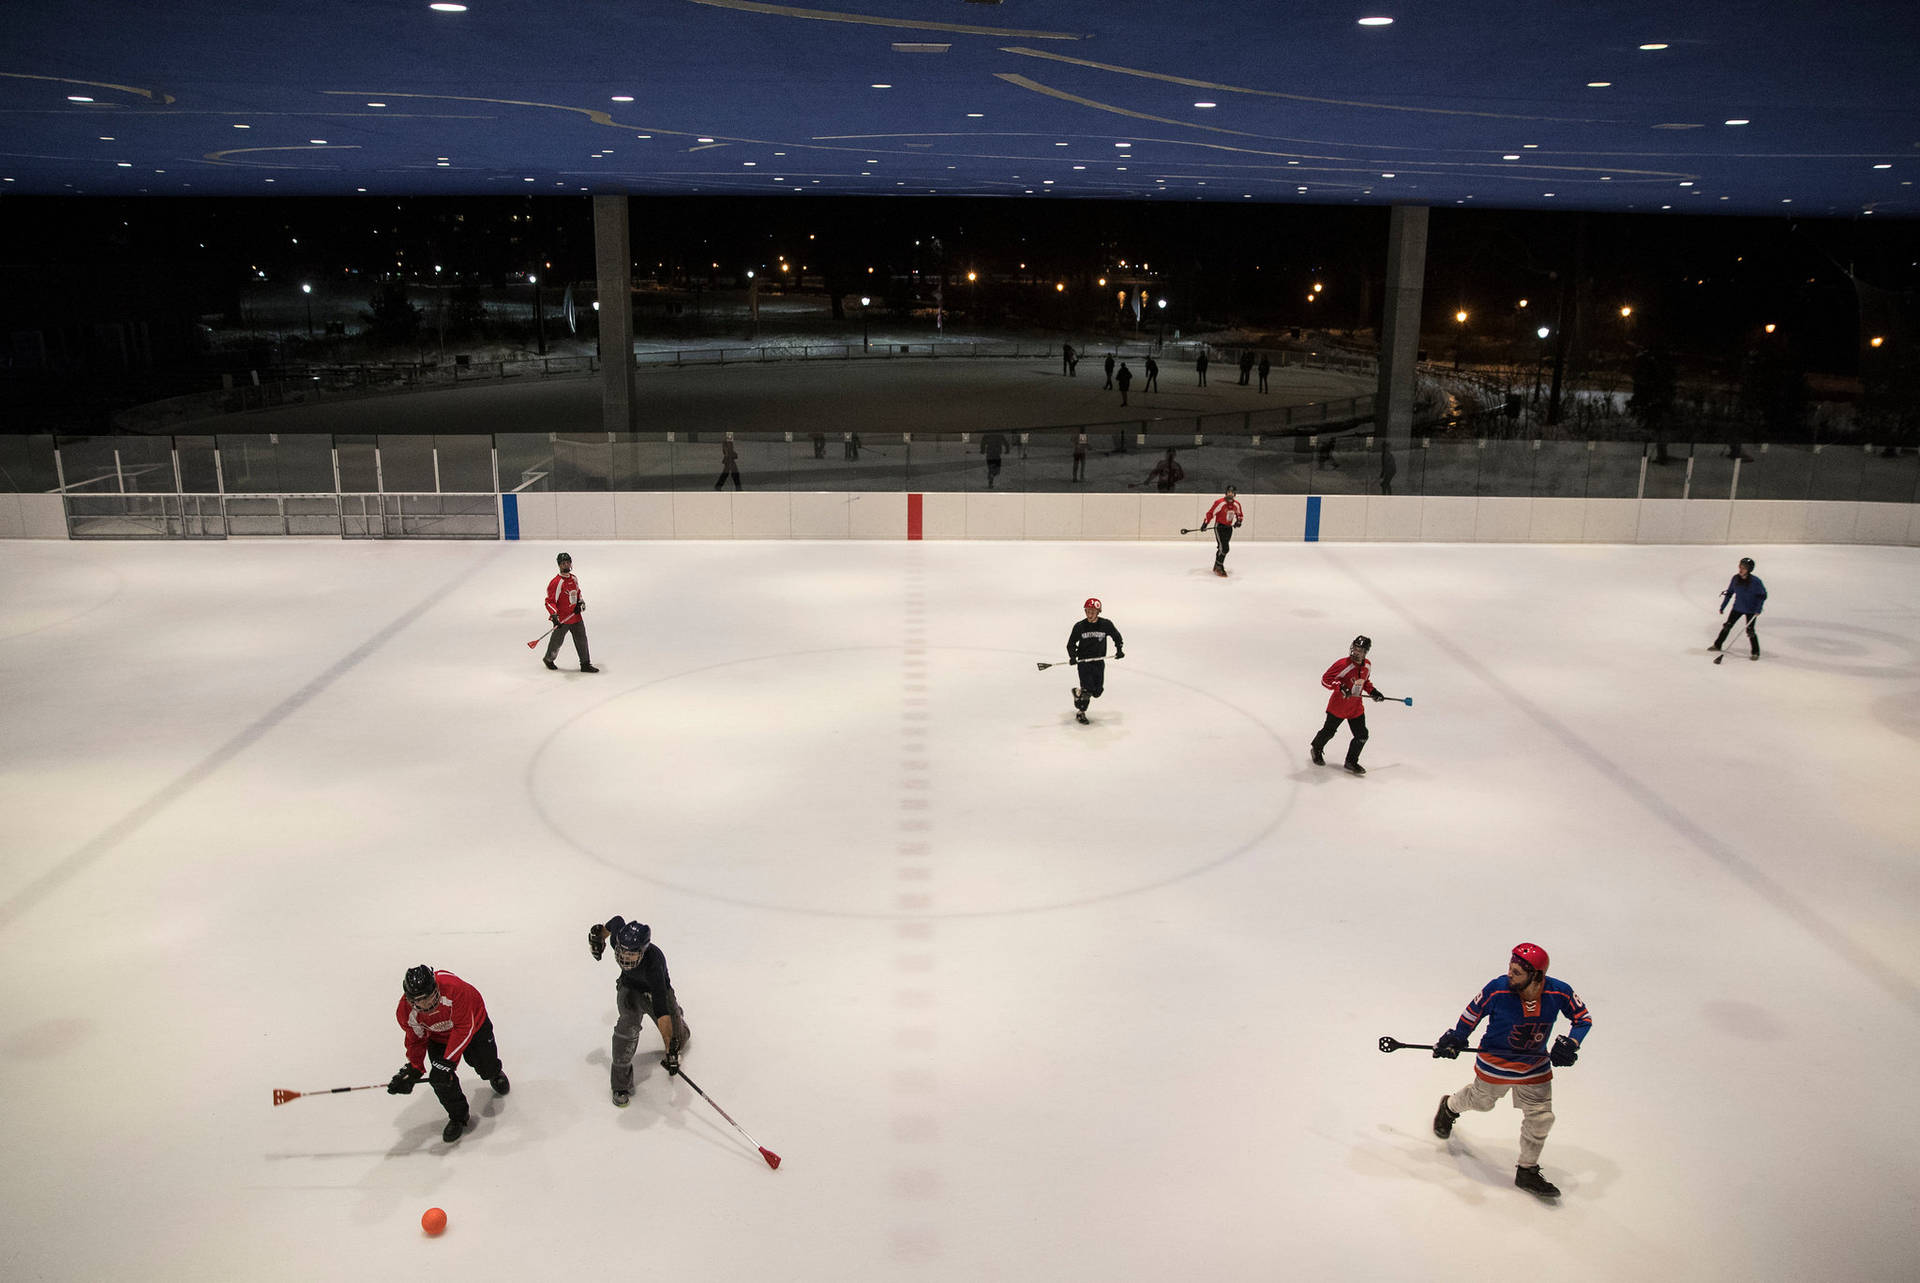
(1519, 1009)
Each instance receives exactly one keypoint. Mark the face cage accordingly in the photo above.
(628, 958)
(426, 1003)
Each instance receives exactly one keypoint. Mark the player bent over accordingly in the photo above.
(1519, 1009)
(445, 1018)
(1087, 647)
(1348, 679)
(642, 989)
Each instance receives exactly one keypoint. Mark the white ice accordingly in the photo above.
(1014, 998)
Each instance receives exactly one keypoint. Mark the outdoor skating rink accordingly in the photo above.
(1013, 998)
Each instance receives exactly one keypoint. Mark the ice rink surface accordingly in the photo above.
(1014, 998)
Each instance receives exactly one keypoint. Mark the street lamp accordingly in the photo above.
(539, 317)
(865, 302)
(1161, 303)
(308, 291)
(1460, 319)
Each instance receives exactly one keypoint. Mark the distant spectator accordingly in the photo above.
(1167, 473)
(1387, 467)
(1109, 371)
(1066, 359)
(729, 464)
(1123, 380)
(1200, 367)
(1153, 375)
(819, 445)
(1266, 365)
(1246, 366)
(1079, 456)
(853, 445)
(993, 445)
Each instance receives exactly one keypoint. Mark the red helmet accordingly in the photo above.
(1092, 603)
(1531, 956)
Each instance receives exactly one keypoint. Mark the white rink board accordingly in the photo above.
(1014, 998)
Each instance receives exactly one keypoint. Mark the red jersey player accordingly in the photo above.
(564, 610)
(1348, 679)
(1225, 517)
(445, 1018)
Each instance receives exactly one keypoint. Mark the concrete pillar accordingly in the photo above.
(613, 269)
(1400, 322)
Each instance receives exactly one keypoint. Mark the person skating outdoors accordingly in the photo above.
(1123, 381)
(993, 445)
(565, 608)
(1087, 648)
(1225, 516)
(1200, 368)
(1066, 359)
(1246, 366)
(444, 1018)
(1166, 474)
(1109, 382)
(1348, 679)
(1519, 1008)
(1749, 597)
(642, 989)
(1153, 375)
(729, 463)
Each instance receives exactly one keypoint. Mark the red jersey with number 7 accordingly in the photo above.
(1354, 677)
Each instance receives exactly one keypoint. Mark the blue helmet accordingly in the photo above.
(633, 937)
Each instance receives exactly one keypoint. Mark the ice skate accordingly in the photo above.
(1444, 1120)
(500, 1084)
(588, 668)
(548, 661)
(1530, 1180)
(1220, 571)
(1354, 768)
(452, 1131)
(1319, 758)
(1081, 717)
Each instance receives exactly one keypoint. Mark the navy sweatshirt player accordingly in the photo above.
(1519, 1009)
(1087, 647)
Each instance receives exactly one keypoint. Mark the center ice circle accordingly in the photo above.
(881, 782)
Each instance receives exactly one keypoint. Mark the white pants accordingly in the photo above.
(1533, 1100)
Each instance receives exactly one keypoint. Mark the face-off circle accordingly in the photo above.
(829, 782)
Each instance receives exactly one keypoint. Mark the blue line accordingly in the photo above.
(1313, 518)
(510, 515)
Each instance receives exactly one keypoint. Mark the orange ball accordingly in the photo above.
(433, 1221)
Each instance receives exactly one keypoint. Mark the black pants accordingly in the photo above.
(1733, 621)
(1153, 382)
(1123, 394)
(1093, 682)
(1359, 726)
(578, 628)
(1079, 466)
(728, 470)
(480, 1052)
(1263, 380)
(1222, 536)
(993, 468)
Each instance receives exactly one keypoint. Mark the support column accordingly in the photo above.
(613, 270)
(1400, 323)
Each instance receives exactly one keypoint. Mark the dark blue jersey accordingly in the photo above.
(1514, 1050)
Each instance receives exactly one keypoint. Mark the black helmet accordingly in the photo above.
(418, 983)
(633, 937)
(1746, 563)
(1363, 642)
(563, 559)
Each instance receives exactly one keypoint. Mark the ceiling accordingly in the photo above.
(1544, 104)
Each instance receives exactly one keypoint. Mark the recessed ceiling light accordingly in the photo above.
(124, 164)
(643, 135)
(623, 98)
(1376, 22)
(107, 138)
(1060, 144)
(1119, 169)
(1046, 182)
(1883, 166)
(1786, 200)
(749, 163)
(882, 86)
(445, 6)
(975, 115)
(243, 126)
(1510, 156)
(1606, 178)
(1529, 146)
(318, 142)
(1739, 122)
(441, 165)
(1666, 207)
(1123, 144)
(1386, 175)
(703, 140)
(1206, 104)
(1651, 47)
(376, 104)
(1686, 184)
(1293, 162)
(1599, 84)
(1076, 166)
(78, 98)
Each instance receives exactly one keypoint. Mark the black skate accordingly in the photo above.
(1444, 1120)
(548, 661)
(500, 1084)
(1715, 646)
(622, 1097)
(1755, 655)
(1081, 717)
(1530, 1180)
(1354, 768)
(1220, 571)
(588, 668)
(1319, 759)
(451, 1132)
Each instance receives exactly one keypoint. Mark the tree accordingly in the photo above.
(392, 317)
(1654, 392)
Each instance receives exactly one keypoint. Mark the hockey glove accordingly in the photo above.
(1375, 696)
(1565, 1051)
(554, 620)
(402, 1082)
(1346, 692)
(1449, 1045)
(670, 1062)
(597, 940)
(442, 1072)
(579, 607)
(1119, 654)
